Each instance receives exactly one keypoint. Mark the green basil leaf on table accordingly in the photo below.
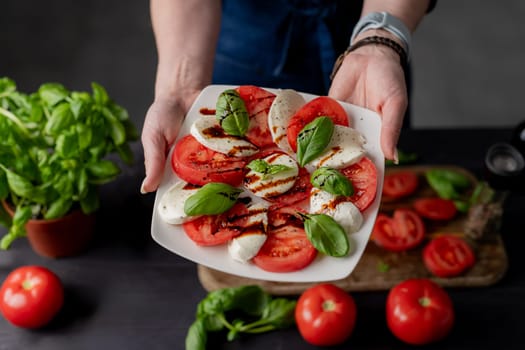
(447, 183)
(231, 113)
(255, 312)
(313, 139)
(212, 199)
(325, 234)
(332, 181)
(263, 167)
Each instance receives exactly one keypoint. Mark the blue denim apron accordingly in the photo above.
(283, 43)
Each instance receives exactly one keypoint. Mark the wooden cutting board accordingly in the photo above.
(490, 267)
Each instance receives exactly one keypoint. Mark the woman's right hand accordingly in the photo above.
(161, 127)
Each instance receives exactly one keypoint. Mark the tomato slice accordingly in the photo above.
(435, 208)
(258, 102)
(363, 176)
(322, 106)
(448, 256)
(405, 230)
(400, 184)
(199, 165)
(210, 230)
(298, 193)
(287, 247)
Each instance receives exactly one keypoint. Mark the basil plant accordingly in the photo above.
(53, 151)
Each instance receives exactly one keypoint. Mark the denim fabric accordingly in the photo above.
(283, 43)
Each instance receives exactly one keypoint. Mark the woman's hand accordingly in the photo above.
(372, 77)
(161, 127)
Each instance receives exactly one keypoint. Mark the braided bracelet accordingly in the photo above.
(372, 40)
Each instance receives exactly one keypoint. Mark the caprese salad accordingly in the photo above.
(273, 177)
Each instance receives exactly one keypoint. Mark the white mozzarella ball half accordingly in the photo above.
(210, 134)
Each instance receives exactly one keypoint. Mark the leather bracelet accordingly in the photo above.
(372, 40)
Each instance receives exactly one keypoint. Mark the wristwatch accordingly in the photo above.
(386, 21)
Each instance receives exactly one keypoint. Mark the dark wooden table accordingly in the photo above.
(127, 292)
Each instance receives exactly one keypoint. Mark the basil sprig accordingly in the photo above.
(313, 139)
(212, 199)
(332, 181)
(325, 234)
(263, 167)
(255, 311)
(231, 113)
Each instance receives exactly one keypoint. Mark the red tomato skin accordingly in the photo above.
(258, 102)
(325, 315)
(435, 208)
(400, 184)
(199, 165)
(363, 176)
(404, 231)
(448, 256)
(322, 106)
(31, 296)
(419, 311)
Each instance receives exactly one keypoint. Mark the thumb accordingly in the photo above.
(393, 112)
(155, 150)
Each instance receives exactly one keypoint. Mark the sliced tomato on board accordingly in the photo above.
(199, 165)
(258, 102)
(405, 230)
(400, 184)
(363, 176)
(448, 256)
(209, 230)
(322, 106)
(287, 247)
(435, 208)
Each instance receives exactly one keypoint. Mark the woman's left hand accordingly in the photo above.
(372, 77)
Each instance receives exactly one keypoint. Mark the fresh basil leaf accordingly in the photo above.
(332, 181)
(279, 313)
(313, 139)
(263, 167)
(100, 94)
(58, 208)
(326, 235)
(231, 113)
(67, 144)
(90, 202)
(212, 199)
(102, 170)
(448, 184)
(116, 129)
(18, 184)
(52, 93)
(61, 118)
(197, 337)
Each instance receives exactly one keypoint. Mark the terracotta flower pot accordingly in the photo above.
(62, 237)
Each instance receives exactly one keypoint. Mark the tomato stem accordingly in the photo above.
(27, 285)
(424, 301)
(328, 305)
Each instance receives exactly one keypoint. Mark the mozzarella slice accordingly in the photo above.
(345, 148)
(171, 204)
(270, 185)
(283, 107)
(210, 134)
(345, 213)
(245, 246)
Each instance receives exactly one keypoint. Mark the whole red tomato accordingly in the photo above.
(325, 315)
(419, 311)
(31, 296)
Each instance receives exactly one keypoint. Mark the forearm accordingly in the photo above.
(186, 34)
(411, 12)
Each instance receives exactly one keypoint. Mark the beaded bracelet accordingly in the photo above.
(372, 40)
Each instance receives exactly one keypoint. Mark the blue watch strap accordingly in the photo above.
(386, 21)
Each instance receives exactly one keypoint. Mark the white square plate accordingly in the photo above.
(323, 268)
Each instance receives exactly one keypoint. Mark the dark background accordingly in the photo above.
(467, 56)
